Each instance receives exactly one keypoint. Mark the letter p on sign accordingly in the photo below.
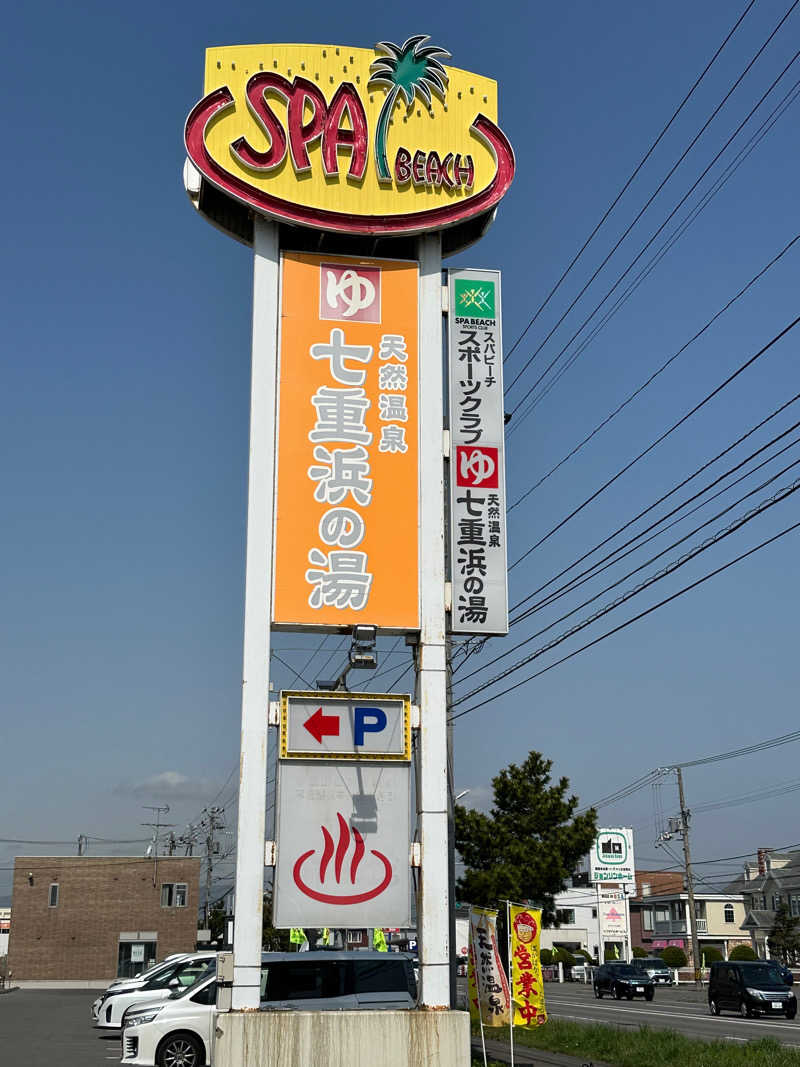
(367, 721)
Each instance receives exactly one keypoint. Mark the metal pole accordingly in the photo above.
(451, 829)
(432, 804)
(510, 982)
(687, 856)
(257, 612)
(600, 953)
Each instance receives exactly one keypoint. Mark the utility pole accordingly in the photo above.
(687, 857)
(156, 827)
(214, 823)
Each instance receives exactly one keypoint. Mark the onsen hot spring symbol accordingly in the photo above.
(342, 847)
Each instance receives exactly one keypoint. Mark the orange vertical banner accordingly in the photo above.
(347, 508)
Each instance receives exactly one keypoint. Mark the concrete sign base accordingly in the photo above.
(343, 1039)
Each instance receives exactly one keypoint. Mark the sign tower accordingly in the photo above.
(351, 172)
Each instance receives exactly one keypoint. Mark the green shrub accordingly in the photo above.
(546, 956)
(674, 956)
(711, 955)
(742, 952)
(563, 955)
(639, 953)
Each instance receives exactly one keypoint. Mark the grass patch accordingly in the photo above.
(646, 1047)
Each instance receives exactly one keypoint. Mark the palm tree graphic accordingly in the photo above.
(411, 69)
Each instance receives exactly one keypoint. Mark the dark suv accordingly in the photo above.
(621, 980)
(751, 988)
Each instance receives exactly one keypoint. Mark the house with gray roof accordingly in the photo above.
(773, 880)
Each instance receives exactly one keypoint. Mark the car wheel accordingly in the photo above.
(618, 992)
(745, 1011)
(649, 994)
(791, 1011)
(629, 996)
(598, 992)
(180, 1050)
(713, 1007)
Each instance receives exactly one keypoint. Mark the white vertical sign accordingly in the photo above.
(477, 467)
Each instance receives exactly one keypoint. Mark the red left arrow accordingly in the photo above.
(320, 725)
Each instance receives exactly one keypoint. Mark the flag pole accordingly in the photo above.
(510, 982)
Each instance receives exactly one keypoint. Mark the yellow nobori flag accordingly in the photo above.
(527, 989)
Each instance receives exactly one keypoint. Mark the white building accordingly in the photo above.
(577, 912)
(5, 926)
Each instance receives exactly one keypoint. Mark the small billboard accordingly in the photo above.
(611, 858)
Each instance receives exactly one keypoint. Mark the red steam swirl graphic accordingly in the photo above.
(340, 852)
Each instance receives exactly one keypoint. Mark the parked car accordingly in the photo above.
(175, 976)
(135, 983)
(751, 988)
(180, 1030)
(621, 980)
(655, 968)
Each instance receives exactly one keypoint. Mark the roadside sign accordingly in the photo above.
(477, 466)
(343, 834)
(611, 858)
(345, 726)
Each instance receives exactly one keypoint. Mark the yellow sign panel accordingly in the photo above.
(384, 140)
(527, 992)
(346, 531)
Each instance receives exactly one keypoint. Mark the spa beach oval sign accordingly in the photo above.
(365, 141)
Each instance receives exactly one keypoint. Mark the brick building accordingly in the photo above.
(85, 918)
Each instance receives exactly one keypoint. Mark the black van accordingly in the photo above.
(751, 988)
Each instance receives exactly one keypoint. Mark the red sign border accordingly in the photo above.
(220, 100)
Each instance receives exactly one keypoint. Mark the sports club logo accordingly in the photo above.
(477, 467)
(349, 294)
(474, 300)
(338, 854)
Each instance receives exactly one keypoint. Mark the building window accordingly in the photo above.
(355, 937)
(647, 918)
(794, 905)
(594, 913)
(565, 916)
(776, 901)
(729, 913)
(52, 900)
(174, 894)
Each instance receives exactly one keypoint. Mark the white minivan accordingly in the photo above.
(137, 981)
(158, 985)
(179, 1032)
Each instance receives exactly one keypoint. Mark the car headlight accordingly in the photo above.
(140, 1017)
(756, 993)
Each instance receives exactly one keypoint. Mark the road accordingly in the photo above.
(673, 1009)
(48, 1027)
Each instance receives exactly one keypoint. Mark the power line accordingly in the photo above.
(297, 674)
(684, 418)
(676, 564)
(748, 433)
(633, 175)
(638, 540)
(640, 389)
(631, 621)
(641, 566)
(661, 185)
(716, 186)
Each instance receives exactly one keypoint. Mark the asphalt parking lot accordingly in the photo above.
(44, 1028)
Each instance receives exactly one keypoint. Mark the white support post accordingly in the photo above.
(434, 902)
(257, 614)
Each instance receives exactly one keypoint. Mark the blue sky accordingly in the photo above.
(125, 373)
